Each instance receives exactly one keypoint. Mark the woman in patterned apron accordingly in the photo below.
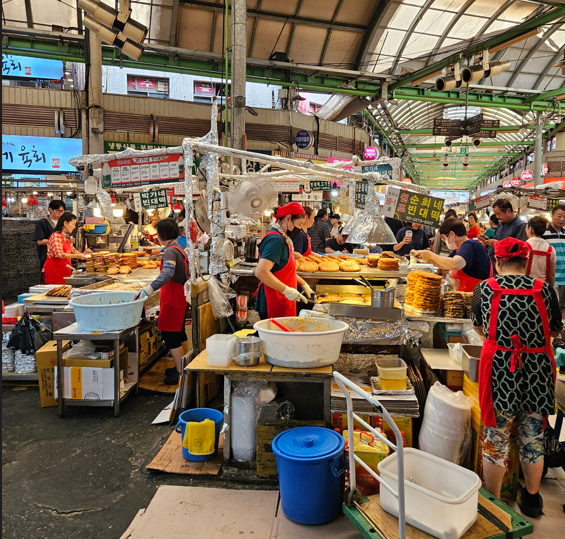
(277, 294)
(516, 315)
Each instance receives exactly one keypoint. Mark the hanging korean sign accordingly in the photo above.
(413, 207)
(482, 202)
(31, 68)
(308, 197)
(152, 200)
(288, 187)
(538, 203)
(111, 146)
(136, 171)
(320, 185)
(40, 155)
(361, 191)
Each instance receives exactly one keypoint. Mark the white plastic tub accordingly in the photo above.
(220, 350)
(109, 311)
(441, 498)
(318, 346)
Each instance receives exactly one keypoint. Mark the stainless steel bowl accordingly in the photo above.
(247, 351)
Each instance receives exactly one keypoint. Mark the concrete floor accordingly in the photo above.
(85, 476)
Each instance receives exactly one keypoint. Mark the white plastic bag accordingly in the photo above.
(446, 429)
(83, 349)
(220, 295)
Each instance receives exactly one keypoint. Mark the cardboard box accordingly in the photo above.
(339, 421)
(46, 358)
(98, 363)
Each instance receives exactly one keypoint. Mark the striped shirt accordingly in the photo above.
(557, 241)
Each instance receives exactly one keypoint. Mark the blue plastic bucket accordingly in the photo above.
(197, 416)
(310, 462)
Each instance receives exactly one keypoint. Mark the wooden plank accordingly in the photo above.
(153, 379)
(481, 529)
(327, 371)
(200, 363)
(170, 460)
(267, 429)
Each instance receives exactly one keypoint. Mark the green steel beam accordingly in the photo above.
(470, 144)
(475, 99)
(429, 131)
(558, 92)
(557, 129)
(462, 155)
(503, 37)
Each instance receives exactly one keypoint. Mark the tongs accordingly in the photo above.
(364, 282)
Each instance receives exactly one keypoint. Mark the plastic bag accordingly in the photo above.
(83, 349)
(42, 334)
(22, 336)
(277, 410)
(446, 428)
(472, 336)
(219, 295)
(246, 402)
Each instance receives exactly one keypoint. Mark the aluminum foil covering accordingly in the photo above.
(357, 213)
(189, 210)
(105, 203)
(24, 363)
(8, 357)
(371, 226)
(373, 331)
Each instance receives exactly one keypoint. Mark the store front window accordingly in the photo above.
(148, 86)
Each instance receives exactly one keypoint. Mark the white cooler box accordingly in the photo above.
(441, 497)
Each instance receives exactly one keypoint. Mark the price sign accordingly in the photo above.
(482, 202)
(288, 187)
(538, 203)
(361, 191)
(414, 207)
(136, 171)
(152, 200)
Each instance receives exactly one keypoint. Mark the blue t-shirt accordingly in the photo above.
(300, 242)
(419, 241)
(275, 249)
(181, 240)
(477, 259)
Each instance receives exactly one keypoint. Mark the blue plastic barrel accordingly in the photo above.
(197, 416)
(310, 462)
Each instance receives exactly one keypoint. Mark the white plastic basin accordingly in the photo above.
(108, 311)
(318, 346)
(441, 497)
(220, 350)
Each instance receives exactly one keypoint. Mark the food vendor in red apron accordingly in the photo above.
(468, 261)
(60, 251)
(516, 315)
(542, 261)
(172, 301)
(277, 293)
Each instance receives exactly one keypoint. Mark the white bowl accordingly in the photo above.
(318, 345)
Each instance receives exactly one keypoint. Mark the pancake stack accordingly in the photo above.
(112, 260)
(373, 260)
(468, 303)
(98, 260)
(454, 305)
(129, 259)
(426, 289)
(388, 264)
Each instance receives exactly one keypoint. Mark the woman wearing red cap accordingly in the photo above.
(277, 294)
(516, 315)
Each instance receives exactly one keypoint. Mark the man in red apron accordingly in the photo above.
(543, 259)
(469, 262)
(172, 301)
(277, 294)
(516, 316)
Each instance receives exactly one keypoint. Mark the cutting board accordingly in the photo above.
(44, 299)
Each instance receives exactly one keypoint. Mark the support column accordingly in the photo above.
(538, 149)
(239, 71)
(95, 111)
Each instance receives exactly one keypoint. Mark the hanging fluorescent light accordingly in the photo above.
(334, 192)
(24, 200)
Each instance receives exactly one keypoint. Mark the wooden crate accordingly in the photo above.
(267, 429)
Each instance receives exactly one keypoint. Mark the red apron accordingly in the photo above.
(309, 250)
(463, 282)
(277, 305)
(172, 302)
(490, 346)
(54, 269)
(547, 255)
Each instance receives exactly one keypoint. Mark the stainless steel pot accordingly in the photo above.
(247, 351)
(383, 299)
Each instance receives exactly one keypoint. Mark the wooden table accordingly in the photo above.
(262, 371)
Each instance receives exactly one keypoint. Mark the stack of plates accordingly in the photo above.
(14, 310)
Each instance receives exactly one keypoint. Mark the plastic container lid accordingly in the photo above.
(308, 443)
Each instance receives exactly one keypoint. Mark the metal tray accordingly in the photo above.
(364, 311)
(471, 359)
(376, 385)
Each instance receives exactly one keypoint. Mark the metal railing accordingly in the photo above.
(343, 384)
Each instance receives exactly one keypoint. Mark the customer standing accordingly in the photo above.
(44, 228)
(320, 232)
(516, 316)
(60, 250)
(334, 221)
(555, 236)
(302, 243)
(474, 229)
(493, 224)
(542, 259)
(412, 236)
(510, 226)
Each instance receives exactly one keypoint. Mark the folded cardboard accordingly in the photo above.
(46, 358)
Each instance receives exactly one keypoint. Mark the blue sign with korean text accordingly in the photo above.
(304, 140)
(41, 155)
(31, 68)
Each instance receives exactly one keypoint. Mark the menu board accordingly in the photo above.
(136, 171)
(361, 192)
(413, 207)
